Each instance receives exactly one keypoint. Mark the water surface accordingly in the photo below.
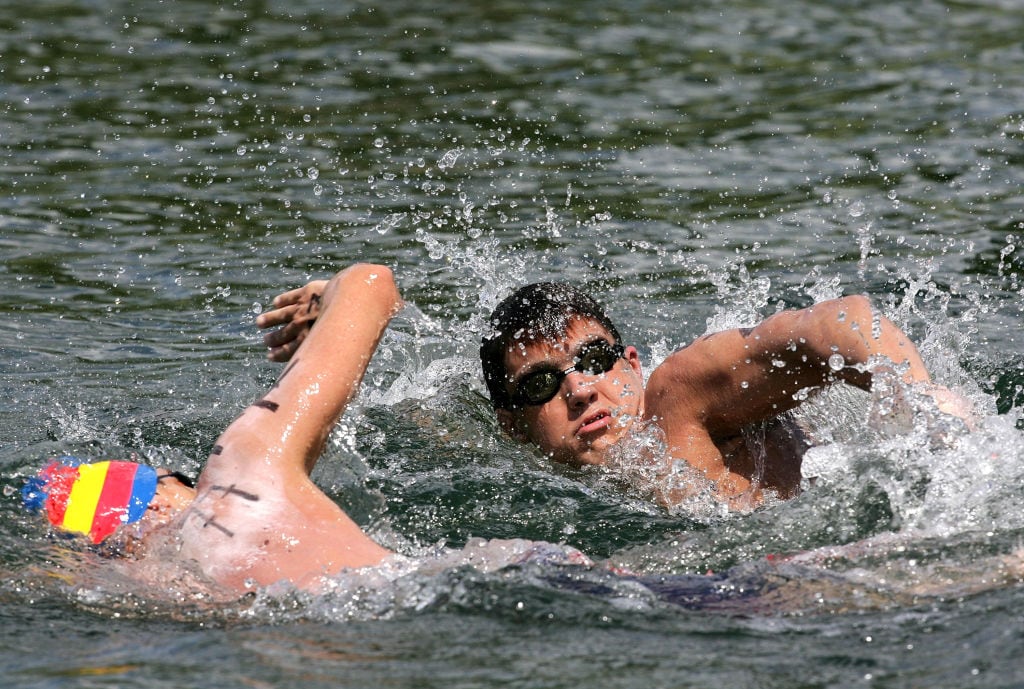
(169, 167)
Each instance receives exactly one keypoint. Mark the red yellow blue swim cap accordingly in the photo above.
(91, 499)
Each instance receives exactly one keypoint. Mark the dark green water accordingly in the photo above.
(168, 167)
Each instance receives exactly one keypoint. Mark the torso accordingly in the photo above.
(767, 455)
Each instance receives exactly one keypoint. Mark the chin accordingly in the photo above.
(592, 457)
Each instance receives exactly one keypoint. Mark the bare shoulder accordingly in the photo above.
(689, 379)
(257, 531)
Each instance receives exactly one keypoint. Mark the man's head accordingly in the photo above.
(95, 499)
(558, 374)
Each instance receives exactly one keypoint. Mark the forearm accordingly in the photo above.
(357, 305)
(866, 341)
(325, 371)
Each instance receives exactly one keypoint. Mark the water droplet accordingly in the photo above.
(448, 159)
(836, 362)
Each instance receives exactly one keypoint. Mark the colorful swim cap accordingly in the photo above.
(92, 499)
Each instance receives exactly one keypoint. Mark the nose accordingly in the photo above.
(579, 390)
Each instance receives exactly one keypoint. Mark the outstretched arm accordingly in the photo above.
(324, 371)
(733, 378)
(728, 380)
(705, 394)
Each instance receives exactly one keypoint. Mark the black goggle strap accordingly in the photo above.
(183, 478)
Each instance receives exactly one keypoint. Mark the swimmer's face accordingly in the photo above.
(589, 412)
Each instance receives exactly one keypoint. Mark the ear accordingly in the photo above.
(633, 358)
(511, 425)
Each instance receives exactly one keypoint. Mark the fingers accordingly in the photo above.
(288, 306)
(285, 351)
(283, 342)
(290, 297)
(954, 404)
(295, 311)
(292, 331)
(277, 316)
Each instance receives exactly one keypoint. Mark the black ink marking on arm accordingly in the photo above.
(231, 490)
(223, 529)
(266, 404)
(745, 332)
(217, 449)
(210, 521)
(314, 301)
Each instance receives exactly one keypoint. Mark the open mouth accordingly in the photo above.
(595, 422)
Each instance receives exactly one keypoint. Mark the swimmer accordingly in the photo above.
(561, 379)
(254, 517)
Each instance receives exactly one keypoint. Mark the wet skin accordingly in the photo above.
(589, 413)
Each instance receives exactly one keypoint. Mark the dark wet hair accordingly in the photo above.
(184, 479)
(541, 311)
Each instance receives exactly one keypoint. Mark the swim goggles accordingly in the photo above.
(593, 358)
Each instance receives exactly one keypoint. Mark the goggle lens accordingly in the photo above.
(594, 358)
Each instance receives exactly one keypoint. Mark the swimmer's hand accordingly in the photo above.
(949, 402)
(295, 311)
